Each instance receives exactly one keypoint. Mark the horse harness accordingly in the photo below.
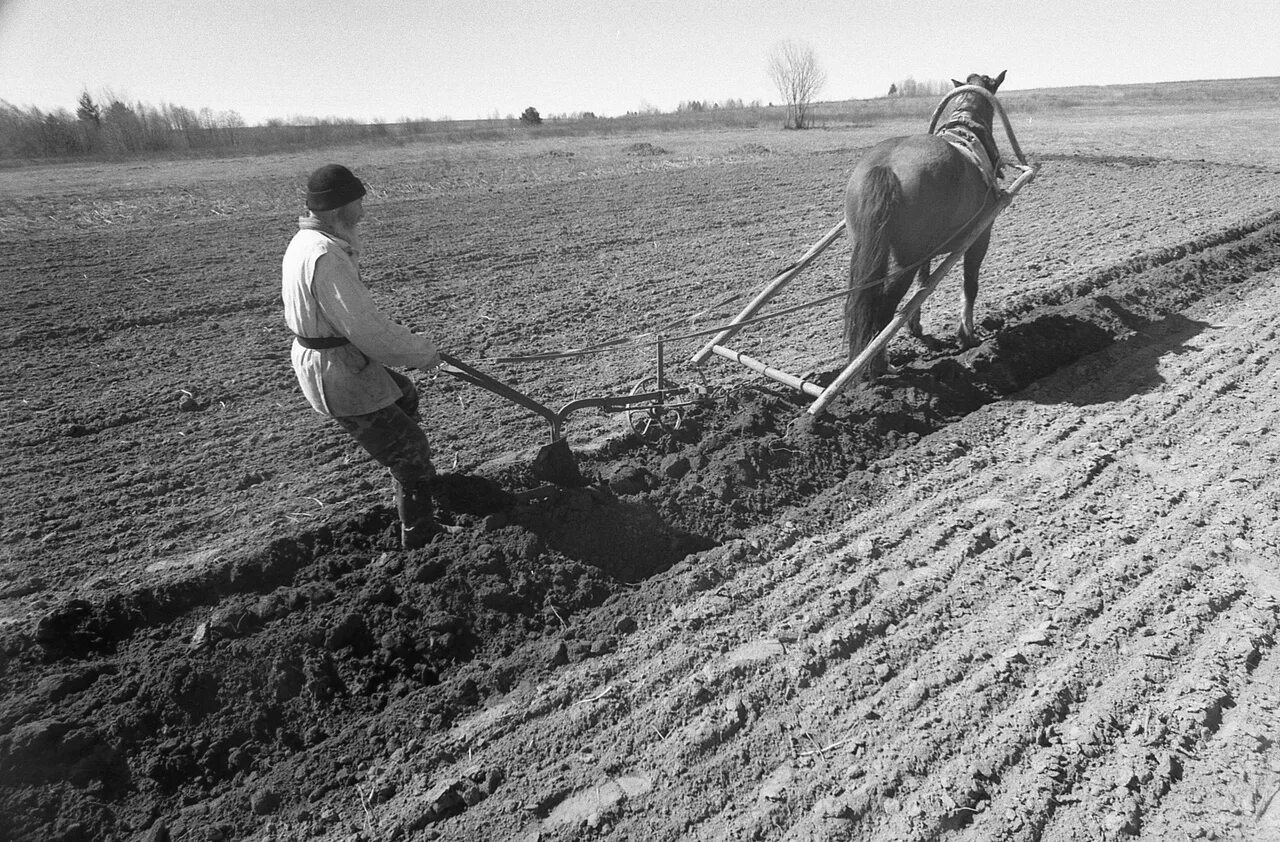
(972, 139)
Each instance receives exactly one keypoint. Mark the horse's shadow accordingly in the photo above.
(1049, 359)
(1124, 368)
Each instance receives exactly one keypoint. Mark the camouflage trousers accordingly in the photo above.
(391, 435)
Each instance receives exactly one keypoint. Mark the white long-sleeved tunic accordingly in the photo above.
(324, 297)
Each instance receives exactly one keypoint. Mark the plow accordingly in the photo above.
(555, 462)
(657, 404)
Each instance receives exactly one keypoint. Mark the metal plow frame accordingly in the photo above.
(555, 461)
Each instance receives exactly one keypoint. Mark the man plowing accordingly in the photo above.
(344, 347)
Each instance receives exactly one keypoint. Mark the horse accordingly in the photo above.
(910, 199)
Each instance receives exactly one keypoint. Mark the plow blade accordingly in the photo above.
(555, 462)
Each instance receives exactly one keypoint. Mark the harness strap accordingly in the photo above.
(971, 145)
(321, 343)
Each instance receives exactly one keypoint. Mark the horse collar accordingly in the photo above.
(968, 130)
(962, 119)
(973, 146)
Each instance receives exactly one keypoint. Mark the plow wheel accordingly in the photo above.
(652, 422)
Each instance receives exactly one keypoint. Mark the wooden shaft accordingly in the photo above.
(768, 292)
(797, 383)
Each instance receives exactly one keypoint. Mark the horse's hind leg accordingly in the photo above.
(896, 284)
(914, 323)
(972, 264)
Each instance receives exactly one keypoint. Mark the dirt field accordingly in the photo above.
(1025, 592)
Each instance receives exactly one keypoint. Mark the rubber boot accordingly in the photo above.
(417, 516)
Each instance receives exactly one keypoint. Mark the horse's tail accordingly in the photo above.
(869, 208)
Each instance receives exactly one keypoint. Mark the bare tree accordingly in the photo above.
(795, 71)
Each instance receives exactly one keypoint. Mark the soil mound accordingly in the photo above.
(644, 149)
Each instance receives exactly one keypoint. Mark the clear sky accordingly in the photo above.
(392, 59)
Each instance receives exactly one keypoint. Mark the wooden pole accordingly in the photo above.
(797, 383)
(768, 292)
(883, 338)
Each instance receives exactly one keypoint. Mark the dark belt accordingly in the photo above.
(322, 342)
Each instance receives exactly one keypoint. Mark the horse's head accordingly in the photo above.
(977, 106)
(981, 81)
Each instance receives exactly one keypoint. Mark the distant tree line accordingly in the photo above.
(910, 87)
(699, 105)
(108, 126)
(112, 127)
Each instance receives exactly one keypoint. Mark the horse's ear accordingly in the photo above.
(999, 79)
(957, 84)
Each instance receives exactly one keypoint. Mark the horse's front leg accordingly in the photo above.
(972, 264)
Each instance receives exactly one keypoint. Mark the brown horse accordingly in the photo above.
(913, 198)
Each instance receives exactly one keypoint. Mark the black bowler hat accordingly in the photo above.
(332, 186)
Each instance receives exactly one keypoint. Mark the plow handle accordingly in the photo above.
(455, 367)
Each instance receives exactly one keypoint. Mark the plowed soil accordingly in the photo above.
(1024, 592)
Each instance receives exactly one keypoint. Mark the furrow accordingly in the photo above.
(1062, 758)
(1240, 801)
(1174, 728)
